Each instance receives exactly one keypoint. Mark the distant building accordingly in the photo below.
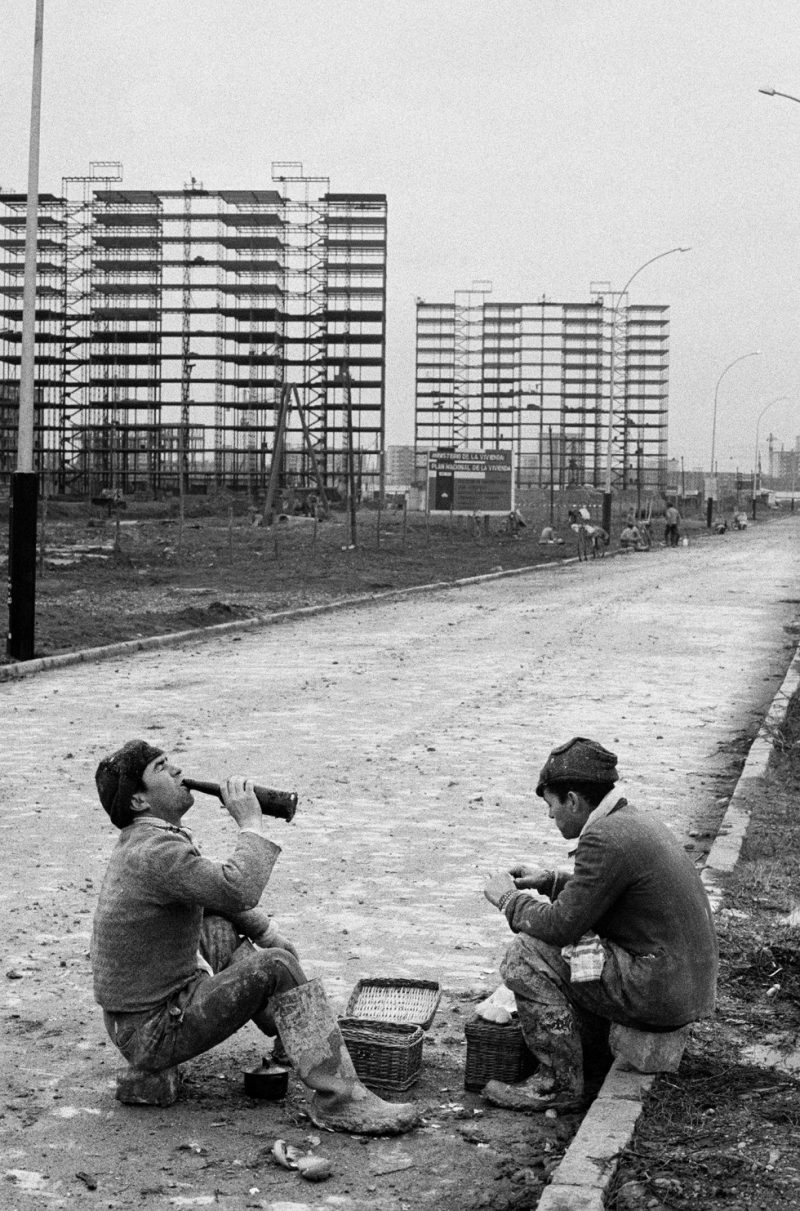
(783, 464)
(200, 308)
(535, 378)
(399, 466)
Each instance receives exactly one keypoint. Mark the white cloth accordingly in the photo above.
(500, 1007)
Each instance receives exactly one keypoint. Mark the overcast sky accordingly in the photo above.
(540, 145)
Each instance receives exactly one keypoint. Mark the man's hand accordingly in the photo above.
(535, 877)
(272, 940)
(239, 800)
(497, 885)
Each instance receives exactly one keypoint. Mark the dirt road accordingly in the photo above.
(412, 731)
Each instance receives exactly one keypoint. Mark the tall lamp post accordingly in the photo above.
(24, 483)
(607, 493)
(520, 409)
(710, 498)
(517, 408)
(755, 459)
(773, 92)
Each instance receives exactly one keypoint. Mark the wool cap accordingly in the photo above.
(119, 777)
(580, 760)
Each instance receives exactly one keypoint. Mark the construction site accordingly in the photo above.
(538, 378)
(195, 339)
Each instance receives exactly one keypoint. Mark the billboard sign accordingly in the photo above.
(470, 481)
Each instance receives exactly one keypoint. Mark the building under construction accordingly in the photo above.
(176, 331)
(536, 378)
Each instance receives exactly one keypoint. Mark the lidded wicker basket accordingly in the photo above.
(383, 1029)
(388, 1000)
(495, 1052)
(386, 1055)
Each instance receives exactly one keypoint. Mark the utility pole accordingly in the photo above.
(24, 482)
(351, 470)
(187, 366)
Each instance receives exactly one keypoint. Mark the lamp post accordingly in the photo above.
(344, 380)
(710, 498)
(439, 406)
(24, 483)
(755, 459)
(520, 409)
(607, 494)
(773, 92)
(517, 407)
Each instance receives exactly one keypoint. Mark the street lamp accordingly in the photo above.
(517, 394)
(439, 406)
(24, 481)
(736, 360)
(607, 495)
(773, 92)
(755, 460)
(520, 409)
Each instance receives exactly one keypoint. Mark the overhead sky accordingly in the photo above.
(542, 145)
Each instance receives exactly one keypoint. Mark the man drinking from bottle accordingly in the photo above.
(183, 957)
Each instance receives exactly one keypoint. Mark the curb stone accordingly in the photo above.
(40, 664)
(580, 1180)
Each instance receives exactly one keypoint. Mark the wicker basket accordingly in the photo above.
(385, 1000)
(386, 1055)
(495, 1052)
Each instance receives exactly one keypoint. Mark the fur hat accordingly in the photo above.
(119, 777)
(579, 760)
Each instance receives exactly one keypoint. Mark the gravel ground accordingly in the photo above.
(412, 731)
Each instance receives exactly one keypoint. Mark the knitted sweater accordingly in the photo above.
(634, 885)
(150, 911)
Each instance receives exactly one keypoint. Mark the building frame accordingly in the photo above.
(168, 322)
(535, 377)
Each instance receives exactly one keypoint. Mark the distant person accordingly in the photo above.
(630, 539)
(645, 535)
(672, 520)
(515, 522)
(598, 540)
(548, 537)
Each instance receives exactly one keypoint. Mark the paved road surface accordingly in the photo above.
(413, 732)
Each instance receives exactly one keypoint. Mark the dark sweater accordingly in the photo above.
(634, 885)
(150, 911)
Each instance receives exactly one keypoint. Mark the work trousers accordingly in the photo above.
(564, 1024)
(210, 1007)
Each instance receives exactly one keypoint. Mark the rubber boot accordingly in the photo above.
(320, 1058)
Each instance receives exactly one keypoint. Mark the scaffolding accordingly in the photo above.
(535, 378)
(49, 327)
(171, 320)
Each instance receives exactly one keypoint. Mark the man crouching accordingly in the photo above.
(182, 958)
(627, 938)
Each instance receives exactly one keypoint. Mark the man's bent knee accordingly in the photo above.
(281, 963)
(532, 964)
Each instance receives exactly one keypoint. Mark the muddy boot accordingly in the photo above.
(320, 1058)
(545, 1090)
